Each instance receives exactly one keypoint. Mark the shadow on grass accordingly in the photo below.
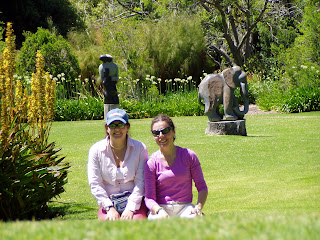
(61, 209)
(258, 136)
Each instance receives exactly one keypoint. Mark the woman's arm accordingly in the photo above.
(200, 183)
(202, 197)
(95, 179)
(134, 201)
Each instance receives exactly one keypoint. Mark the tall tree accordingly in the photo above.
(28, 15)
(230, 26)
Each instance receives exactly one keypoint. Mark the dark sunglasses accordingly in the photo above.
(114, 125)
(163, 130)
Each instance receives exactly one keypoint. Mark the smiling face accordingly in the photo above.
(117, 130)
(164, 140)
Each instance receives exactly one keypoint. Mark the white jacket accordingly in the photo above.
(102, 170)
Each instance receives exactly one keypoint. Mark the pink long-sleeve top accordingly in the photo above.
(103, 174)
(164, 184)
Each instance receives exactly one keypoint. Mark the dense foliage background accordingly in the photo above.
(165, 48)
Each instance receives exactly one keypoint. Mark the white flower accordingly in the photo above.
(303, 66)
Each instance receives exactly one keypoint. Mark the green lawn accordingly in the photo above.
(263, 186)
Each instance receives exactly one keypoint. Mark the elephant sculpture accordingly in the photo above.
(216, 89)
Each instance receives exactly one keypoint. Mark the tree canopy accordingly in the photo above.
(28, 15)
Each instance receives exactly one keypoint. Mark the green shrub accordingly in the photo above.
(301, 100)
(279, 96)
(176, 46)
(267, 95)
(89, 108)
(171, 47)
(301, 62)
(31, 174)
(57, 54)
(173, 104)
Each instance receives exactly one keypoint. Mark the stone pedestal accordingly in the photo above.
(237, 127)
(108, 107)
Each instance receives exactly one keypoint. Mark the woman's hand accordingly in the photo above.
(162, 213)
(202, 197)
(196, 210)
(127, 215)
(112, 214)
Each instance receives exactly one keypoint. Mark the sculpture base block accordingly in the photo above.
(108, 107)
(237, 127)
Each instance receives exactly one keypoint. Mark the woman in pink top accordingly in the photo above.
(168, 175)
(115, 165)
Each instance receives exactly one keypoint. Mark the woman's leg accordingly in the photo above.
(141, 213)
(102, 214)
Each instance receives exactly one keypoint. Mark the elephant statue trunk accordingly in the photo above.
(244, 95)
(216, 89)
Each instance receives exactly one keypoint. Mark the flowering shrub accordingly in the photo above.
(31, 172)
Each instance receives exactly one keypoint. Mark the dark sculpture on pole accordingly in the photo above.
(108, 72)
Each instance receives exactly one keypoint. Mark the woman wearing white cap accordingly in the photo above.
(115, 171)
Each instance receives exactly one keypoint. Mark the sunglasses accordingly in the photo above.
(163, 130)
(114, 125)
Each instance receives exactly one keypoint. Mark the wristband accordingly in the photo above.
(158, 210)
(108, 208)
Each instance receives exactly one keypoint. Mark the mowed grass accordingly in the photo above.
(263, 186)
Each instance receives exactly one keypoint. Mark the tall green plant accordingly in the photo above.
(87, 46)
(176, 47)
(31, 172)
(302, 61)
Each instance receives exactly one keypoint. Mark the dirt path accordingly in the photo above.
(254, 110)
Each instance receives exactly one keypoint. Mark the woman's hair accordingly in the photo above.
(165, 118)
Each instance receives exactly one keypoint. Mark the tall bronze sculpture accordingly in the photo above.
(108, 72)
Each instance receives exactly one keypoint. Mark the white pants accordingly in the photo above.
(182, 210)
